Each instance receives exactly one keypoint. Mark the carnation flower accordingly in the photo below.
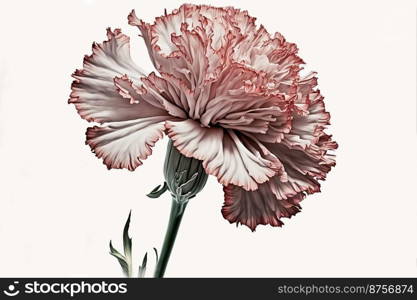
(227, 94)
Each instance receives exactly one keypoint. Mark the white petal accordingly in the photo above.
(94, 92)
(232, 159)
(125, 144)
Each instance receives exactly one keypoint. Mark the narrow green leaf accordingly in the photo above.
(113, 251)
(127, 241)
(156, 254)
(120, 258)
(158, 191)
(142, 268)
(127, 245)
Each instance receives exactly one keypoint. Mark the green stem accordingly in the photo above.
(177, 211)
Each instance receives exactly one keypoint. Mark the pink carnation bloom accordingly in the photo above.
(225, 92)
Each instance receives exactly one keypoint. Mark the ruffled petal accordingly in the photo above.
(241, 102)
(123, 145)
(310, 117)
(279, 198)
(182, 55)
(233, 69)
(161, 92)
(314, 163)
(233, 159)
(109, 90)
(252, 208)
(94, 93)
(159, 39)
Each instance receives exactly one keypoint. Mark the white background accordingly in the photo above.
(60, 206)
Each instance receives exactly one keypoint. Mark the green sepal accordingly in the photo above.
(158, 191)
